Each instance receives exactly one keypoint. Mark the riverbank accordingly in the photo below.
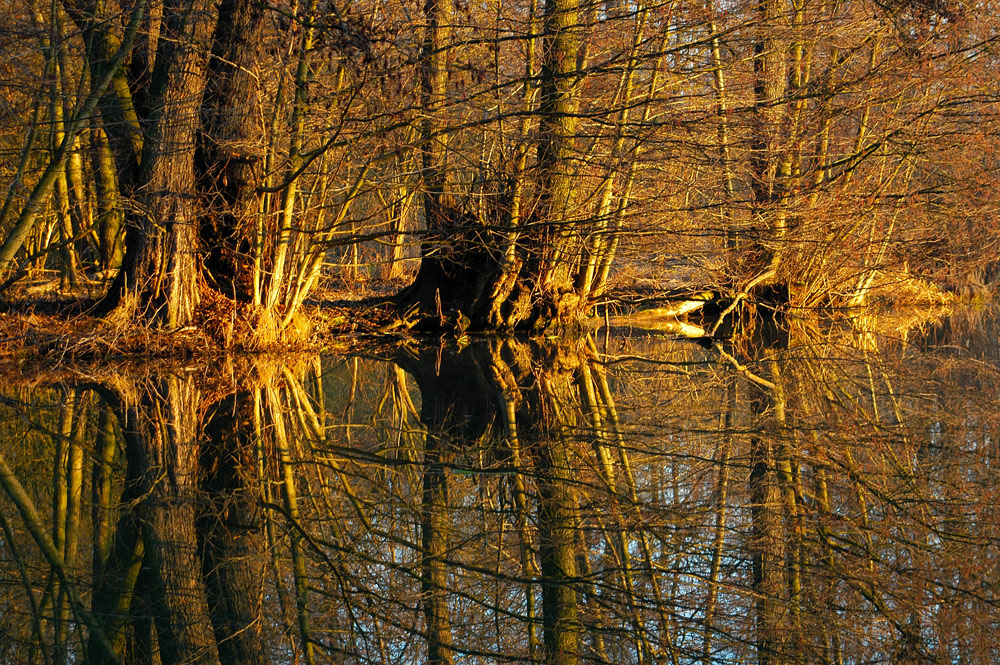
(52, 327)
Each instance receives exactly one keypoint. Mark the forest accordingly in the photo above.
(503, 166)
(575, 332)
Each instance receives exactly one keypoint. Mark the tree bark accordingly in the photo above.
(768, 163)
(158, 281)
(231, 147)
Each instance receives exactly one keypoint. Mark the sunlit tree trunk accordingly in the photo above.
(279, 281)
(769, 165)
(107, 202)
(468, 276)
(158, 281)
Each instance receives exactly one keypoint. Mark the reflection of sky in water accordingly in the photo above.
(699, 523)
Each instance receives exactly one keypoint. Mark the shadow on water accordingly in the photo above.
(797, 497)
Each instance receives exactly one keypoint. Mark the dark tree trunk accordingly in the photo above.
(188, 161)
(231, 146)
(116, 573)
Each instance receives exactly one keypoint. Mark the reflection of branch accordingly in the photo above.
(29, 514)
(36, 621)
(760, 381)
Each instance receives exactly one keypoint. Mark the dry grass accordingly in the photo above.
(51, 332)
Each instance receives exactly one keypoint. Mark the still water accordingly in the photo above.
(821, 494)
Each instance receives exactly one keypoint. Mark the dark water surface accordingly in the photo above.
(824, 494)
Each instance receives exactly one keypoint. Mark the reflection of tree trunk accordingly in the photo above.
(118, 554)
(274, 406)
(767, 529)
(60, 502)
(434, 521)
(473, 397)
(548, 417)
(231, 534)
(102, 487)
(556, 526)
(161, 432)
(443, 375)
(461, 406)
(721, 495)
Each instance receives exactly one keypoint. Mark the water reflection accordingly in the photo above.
(801, 497)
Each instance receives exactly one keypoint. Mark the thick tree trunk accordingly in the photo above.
(761, 251)
(231, 147)
(159, 277)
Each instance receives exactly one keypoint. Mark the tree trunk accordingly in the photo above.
(768, 163)
(231, 147)
(158, 281)
(469, 275)
(109, 217)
